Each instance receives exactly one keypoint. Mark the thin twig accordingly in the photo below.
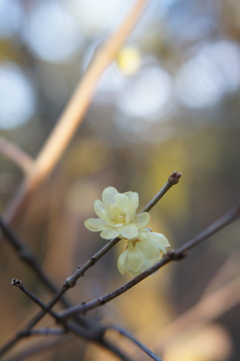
(17, 155)
(176, 255)
(69, 282)
(27, 329)
(125, 333)
(73, 114)
(85, 333)
(116, 350)
(35, 299)
(172, 180)
(39, 347)
(46, 331)
(68, 326)
(25, 254)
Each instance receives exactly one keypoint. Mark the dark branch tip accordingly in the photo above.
(174, 177)
(16, 282)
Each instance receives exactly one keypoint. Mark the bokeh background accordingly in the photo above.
(170, 101)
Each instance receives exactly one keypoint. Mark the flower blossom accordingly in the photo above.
(142, 252)
(117, 215)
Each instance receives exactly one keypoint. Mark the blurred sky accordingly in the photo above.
(183, 57)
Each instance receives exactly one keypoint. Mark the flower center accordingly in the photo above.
(120, 219)
(134, 241)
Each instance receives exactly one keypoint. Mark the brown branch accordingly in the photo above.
(69, 282)
(126, 334)
(176, 255)
(26, 256)
(46, 331)
(172, 180)
(92, 335)
(39, 347)
(17, 155)
(73, 114)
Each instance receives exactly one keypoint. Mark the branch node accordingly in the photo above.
(101, 301)
(174, 177)
(176, 256)
(69, 282)
(93, 260)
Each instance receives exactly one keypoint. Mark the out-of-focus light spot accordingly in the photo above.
(206, 78)
(99, 16)
(128, 59)
(52, 33)
(139, 130)
(53, 82)
(110, 84)
(17, 96)
(148, 94)
(111, 81)
(10, 17)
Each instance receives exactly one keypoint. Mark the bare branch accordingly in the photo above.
(17, 155)
(172, 180)
(25, 254)
(39, 348)
(73, 114)
(113, 348)
(176, 255)
(46, 331)
(68, 326)
(35, 299)
(123, 332)
(69, 282)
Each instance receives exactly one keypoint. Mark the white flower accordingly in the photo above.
(117, 215)
(142, 252)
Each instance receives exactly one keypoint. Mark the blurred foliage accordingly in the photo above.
(135, 134)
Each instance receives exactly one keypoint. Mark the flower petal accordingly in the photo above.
(159, 240)
(95, 224)
(142, 219)
(134, 200)
(130, 231)
(150, 251)
(121, 262)
(109, 233)
(122, 201)
(108, 196)
(98, 207)
(134, 260)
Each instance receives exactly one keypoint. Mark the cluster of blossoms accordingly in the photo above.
(118, 218)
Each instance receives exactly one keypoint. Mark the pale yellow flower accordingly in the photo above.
(117, 215)
(142, 252)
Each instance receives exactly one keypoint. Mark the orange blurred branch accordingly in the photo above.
(207, 309)
(17, 155)
(73, 114)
